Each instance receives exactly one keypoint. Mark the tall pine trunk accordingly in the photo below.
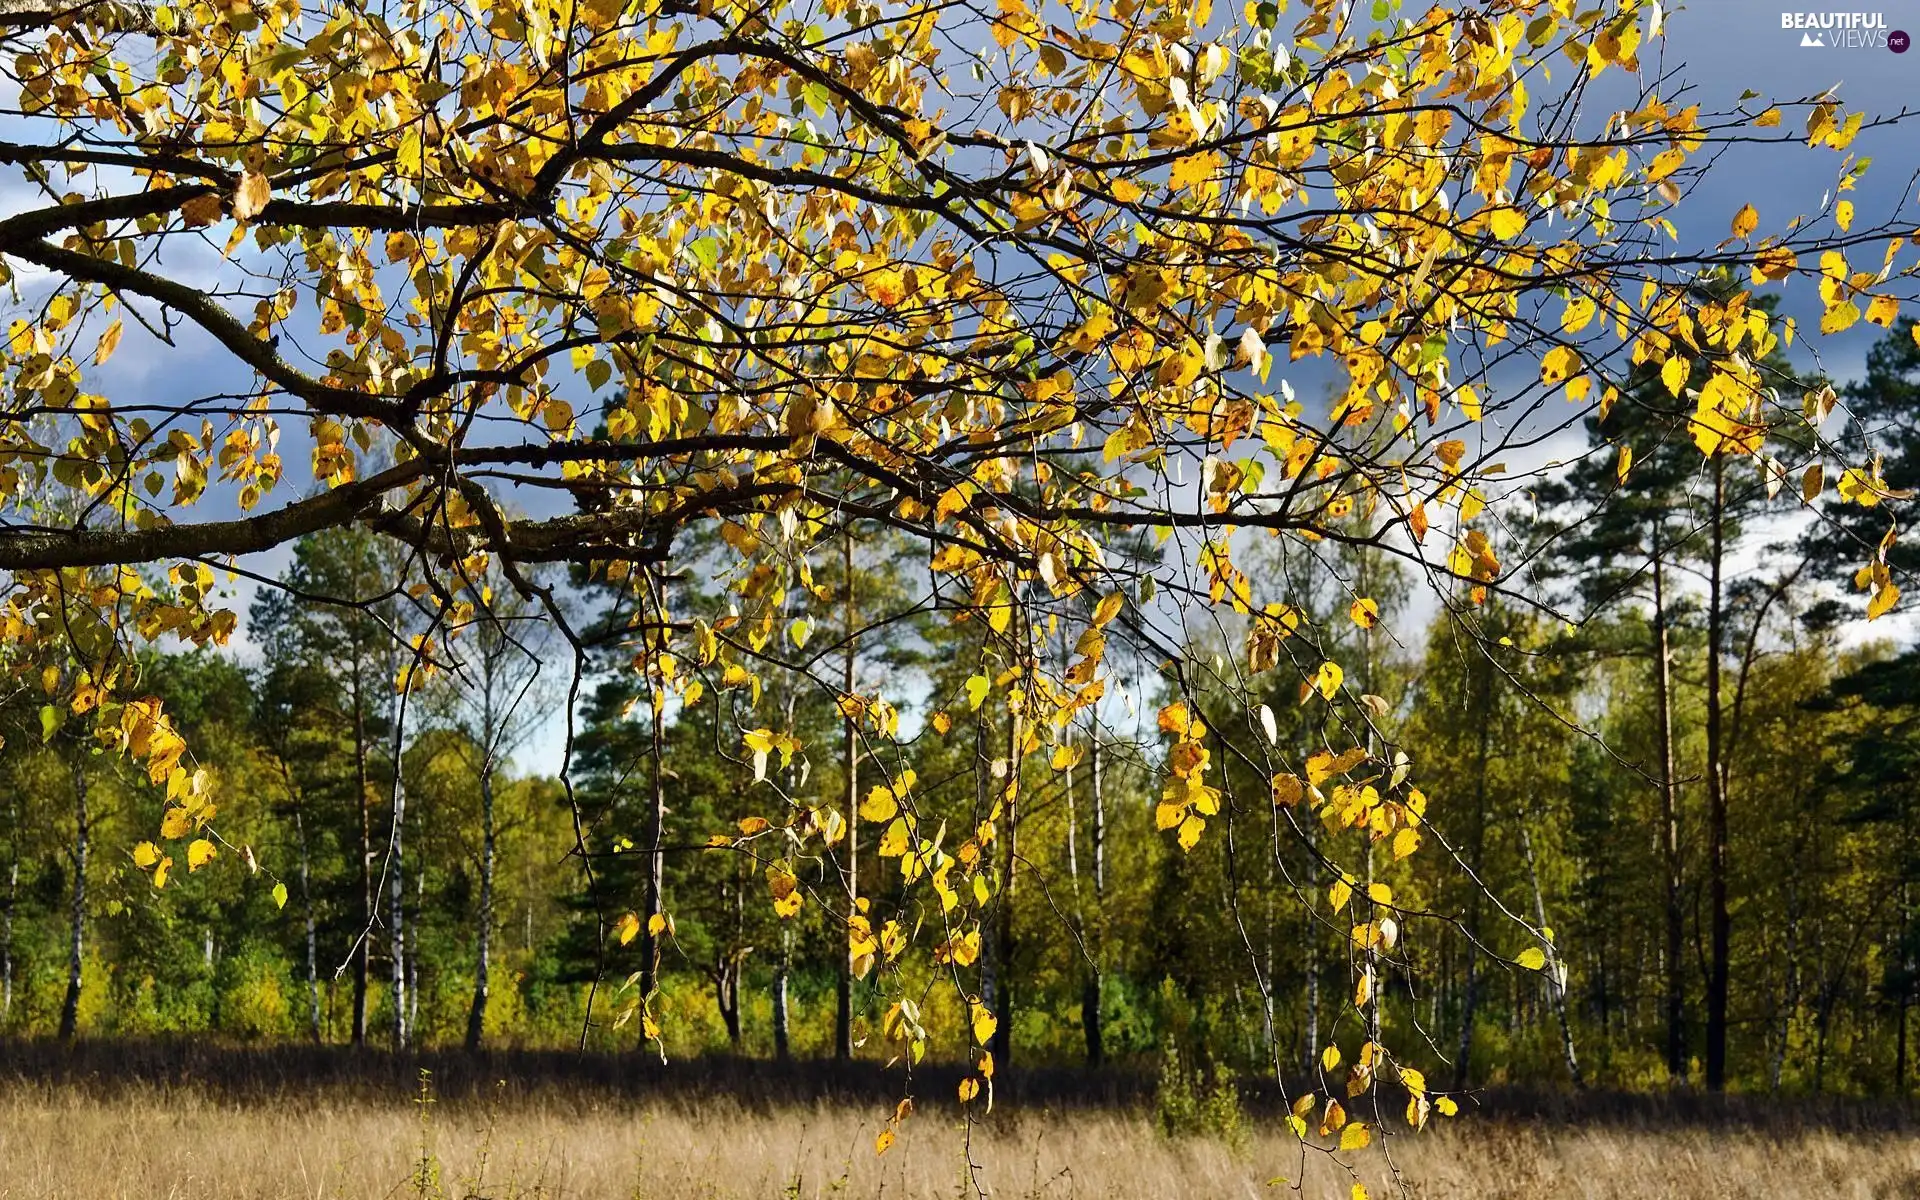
(397, 897)
(656, 850)
(483, 942)
(1669, 826)
(362, 959)
(1003, 1030)
(1717, 835)
(76, 944)
(6, 917)
(1092, 929)
(314, 1026)
(850, 764)
(1476, 858)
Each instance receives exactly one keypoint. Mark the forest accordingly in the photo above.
(1683, 763)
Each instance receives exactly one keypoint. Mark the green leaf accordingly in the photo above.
(1532, 958)
(51, 718)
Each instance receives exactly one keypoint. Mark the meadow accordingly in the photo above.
(102, 1124)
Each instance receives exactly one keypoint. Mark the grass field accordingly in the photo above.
(95, 1134)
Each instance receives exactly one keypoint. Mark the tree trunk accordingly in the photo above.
(1555, 969)
(483, 943)
(1090, 986)
(1476, 855)
(413, 958)
(1722, 919)
(362, 965)
(1670, 827)
(982, 805)
(397, 897)
(726, 995)
(1310, 953)
(312, 927)
(6, 917)
(850, 763)
(656, 850)
(781, 968)
(1003, 1029)
(76, 945)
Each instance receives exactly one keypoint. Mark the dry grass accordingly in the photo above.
(60, 1140)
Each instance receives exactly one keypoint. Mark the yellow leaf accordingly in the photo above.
(657, 924)
(145, 855)
(201, 210)
(109, 342)
(1190, 831)
(174, 823)
(1883, 311)
(1883, 601)
(1559, 364)
(1580, 313)
(1664, 164)
(1379, 893)
(1712, 430)
(1334, 1119)
(1365, 613)
(1108, 608)
(1625, 464)
(941, 722)
(1405, 842)
(969, 1088)
(1843, 215)
(627, 928)
(884, 1142)
(1330, 1057)
(1766, 120)
(1327, 679)
(1191, 170)
(1532, 958)
(160, 872)
(1673, 373)
(1746, 221)
(1339, 894)
(199, 853)
(880, 805)
(250, 195)
(983, 1023)
(1775, 263)
(1355, 1136)
(1839, 317)
(1506, 223)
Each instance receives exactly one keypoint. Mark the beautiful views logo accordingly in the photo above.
(1844, 31)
